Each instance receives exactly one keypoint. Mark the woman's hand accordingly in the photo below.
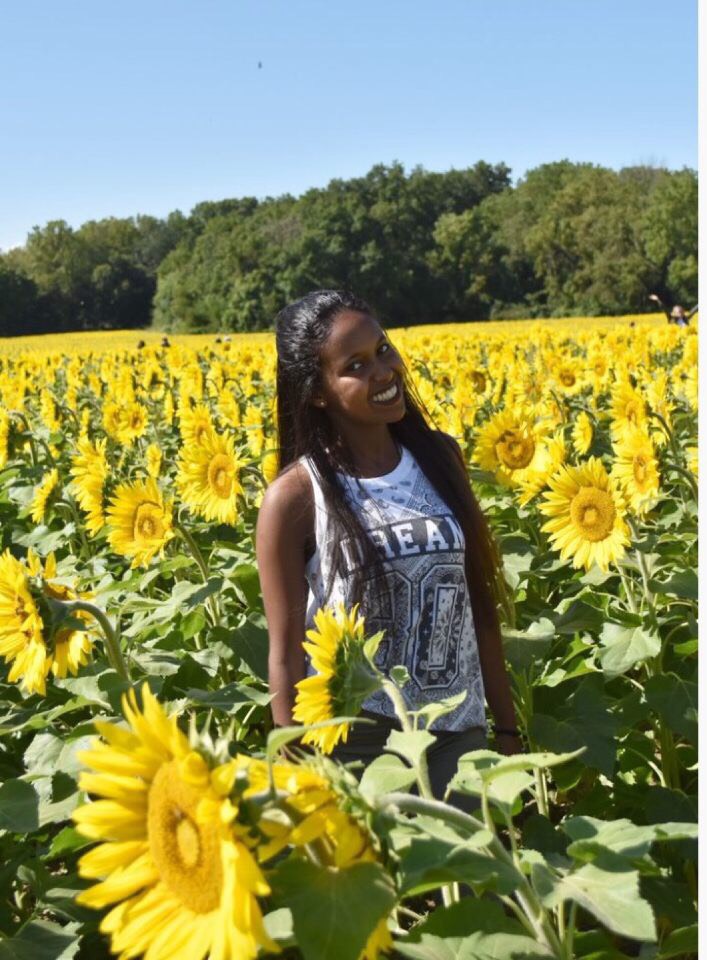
(508, 744)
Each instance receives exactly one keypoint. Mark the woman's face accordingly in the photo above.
(362, 373)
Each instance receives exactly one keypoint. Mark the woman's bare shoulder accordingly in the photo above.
(289, 497)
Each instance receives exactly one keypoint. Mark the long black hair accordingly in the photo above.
(306, 430)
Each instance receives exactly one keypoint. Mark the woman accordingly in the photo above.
(372, 505)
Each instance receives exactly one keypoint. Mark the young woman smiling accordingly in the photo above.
(373, 506)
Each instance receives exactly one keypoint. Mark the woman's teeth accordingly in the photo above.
(386, 395)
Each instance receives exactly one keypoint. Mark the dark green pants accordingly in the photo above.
(367, 740)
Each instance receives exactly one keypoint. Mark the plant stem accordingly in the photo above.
(396, 697)
(201, 563)
(628, 590)
(115, 657)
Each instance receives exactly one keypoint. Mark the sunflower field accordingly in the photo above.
(146, 805)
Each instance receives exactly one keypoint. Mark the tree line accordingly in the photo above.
(568, 239)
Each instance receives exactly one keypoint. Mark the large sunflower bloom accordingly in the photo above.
(208, 478)
(24, 640)
(586, 511)
(182, 882)
(42, 494)
(636, 470)
(140, 521)
(343, 677)
(89, 470)
(509, 445)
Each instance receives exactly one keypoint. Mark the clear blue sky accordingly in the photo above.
(117, 108)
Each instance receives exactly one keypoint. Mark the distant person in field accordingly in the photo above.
(677, 314)
(373, 505)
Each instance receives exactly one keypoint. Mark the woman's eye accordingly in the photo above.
(355, 364)
(384, 347)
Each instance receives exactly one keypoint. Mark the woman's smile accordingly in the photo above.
(388, 395)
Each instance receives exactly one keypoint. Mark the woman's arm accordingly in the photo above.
(493, 665)
(285, 520)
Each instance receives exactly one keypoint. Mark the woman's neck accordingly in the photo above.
(373, 452)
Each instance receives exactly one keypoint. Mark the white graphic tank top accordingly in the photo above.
(423, 606)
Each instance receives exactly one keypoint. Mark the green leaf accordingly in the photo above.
(580, 617)
(683, 583)
(67, 841)
(439, 708)
(249, 641)
(675, 701)
(385, 774)
(42, 940)
(19, 807)
(524, 647)
(590, 836)
(679, 942)
(623, 647)
(246, 579)
(469, 930)
(370, 647)
(583, 719)
(230, 698)
(504, 778)
(410, 744)
(333, 911)
(611, 893)
(430, 862)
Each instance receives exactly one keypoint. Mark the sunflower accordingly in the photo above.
(25, 640)
(582, 433)
(133, 422)
(42, 494)
(552, 455)
(207, 479)
(568, 376)
(89, 470)
(343, 678)
(628, 409)
(153, 460)
(509, 446)
(636, 470)
(181, 880)
(112, 418)
(196, 425)
(342, 840)
(587, 511)
(4, 437)
(140, 521)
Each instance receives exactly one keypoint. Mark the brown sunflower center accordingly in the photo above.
(148, 523)
(185, 852)
(593, 513)
(515, 449)
(201, 432)
(221, 475)
(567, 378)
